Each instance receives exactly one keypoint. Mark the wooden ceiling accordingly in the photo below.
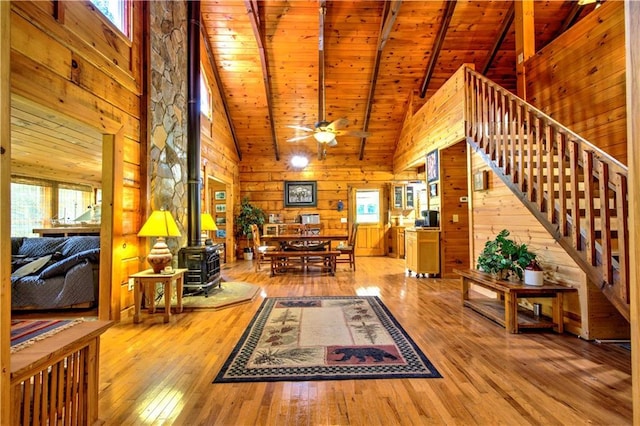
(381, 59)
(377, 56)
(47, 145)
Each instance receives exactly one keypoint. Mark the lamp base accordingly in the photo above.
(160, 256)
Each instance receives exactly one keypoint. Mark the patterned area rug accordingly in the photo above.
(26, 332)
(324, 338)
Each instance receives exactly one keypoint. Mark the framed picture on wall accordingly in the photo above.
(221, 220)
(433, 170)
(300, 194)
(221, 208)
(221, 233)
(433, 190)
(220, 195)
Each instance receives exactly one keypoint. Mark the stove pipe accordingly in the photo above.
(193, 123)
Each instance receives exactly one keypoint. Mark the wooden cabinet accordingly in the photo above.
(281, 228)
(396, 242)
(422, 251)
(402, 197)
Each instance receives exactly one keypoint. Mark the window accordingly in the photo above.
(40, 204)
(367, 206)
(30, 206)
(205, 96)
(115, 11)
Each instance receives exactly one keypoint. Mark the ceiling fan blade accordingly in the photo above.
(338, 124)
(333, 142)
(356, 133)
(298, 138)
(307, 129)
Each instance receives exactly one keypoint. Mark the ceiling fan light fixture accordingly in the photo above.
(299, 161)
(324, 136)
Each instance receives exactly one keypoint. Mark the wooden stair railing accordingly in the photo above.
(574, 189)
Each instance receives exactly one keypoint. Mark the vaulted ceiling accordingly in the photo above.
(293, 63)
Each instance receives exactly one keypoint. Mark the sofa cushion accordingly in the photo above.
(31, 267)
(16, 242)
(41, 246)
(78, 244)
(62, 266)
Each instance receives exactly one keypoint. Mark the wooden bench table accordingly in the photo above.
(281, 261)
(504, 309)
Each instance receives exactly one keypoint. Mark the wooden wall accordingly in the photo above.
(454, 214)
(579, 79)
(219, 156)
(262, 180)
(437, 124)
(67, 57)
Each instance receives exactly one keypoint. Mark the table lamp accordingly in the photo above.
(160, 224)
(207, 224)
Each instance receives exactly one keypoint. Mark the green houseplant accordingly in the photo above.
(504, 258)
(247, 216)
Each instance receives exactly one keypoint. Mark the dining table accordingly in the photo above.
(304, 239)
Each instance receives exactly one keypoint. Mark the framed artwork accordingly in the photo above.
(220, 195)
(221, 233)
(480, 181)
(433, 170)
(300, 194)
(433, 190)
(221, 220)
(221, 208)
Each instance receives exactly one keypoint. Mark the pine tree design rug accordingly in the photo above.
(324, 338)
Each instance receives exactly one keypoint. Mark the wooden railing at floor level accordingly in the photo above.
(577, 191)
(55, 381)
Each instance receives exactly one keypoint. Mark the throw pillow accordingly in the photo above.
(31, 267)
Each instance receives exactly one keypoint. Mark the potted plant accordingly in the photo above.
(504, 258)
(247, 216)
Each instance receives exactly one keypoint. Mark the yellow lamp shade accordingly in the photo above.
(207, 223)
(160, 224)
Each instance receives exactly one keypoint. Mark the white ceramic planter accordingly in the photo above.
(533, 277)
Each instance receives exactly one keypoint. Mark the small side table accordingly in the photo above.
(141, 281)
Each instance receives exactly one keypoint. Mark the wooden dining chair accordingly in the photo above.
(259, 249)
(348, 252)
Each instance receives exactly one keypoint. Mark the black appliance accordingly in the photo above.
(431, 218)
(203, 268)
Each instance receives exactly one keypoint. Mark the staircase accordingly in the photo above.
(574, 189)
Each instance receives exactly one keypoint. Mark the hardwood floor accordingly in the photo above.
(156, 373)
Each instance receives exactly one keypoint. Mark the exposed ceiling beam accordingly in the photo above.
(389, 13)
(437, 45)
(252, 11)
(216, 76)
(502, 33)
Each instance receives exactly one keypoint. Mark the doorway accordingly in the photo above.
(368, 202)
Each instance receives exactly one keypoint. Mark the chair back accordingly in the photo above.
(256, 235)
(352, 236)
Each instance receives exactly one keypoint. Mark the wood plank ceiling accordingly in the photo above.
(379, 58)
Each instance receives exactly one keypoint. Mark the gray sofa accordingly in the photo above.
(54, 272)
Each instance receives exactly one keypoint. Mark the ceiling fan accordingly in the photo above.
(325, 132)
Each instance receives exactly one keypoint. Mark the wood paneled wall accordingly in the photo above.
(437, 124)
(262, 180)
(579, 79)
(454, 214)
(84, 69)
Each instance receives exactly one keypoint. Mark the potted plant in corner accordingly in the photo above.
(504, 258)
(247, 216)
